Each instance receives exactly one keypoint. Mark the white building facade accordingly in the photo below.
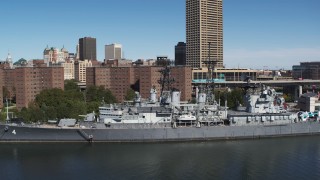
(80, 70)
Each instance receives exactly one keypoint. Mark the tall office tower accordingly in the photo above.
(113, 51)
(204, 27)
(87, 48)
(180, 54)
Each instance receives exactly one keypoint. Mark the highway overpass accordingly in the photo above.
(270, 83)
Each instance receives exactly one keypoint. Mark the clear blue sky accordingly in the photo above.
(257, 33)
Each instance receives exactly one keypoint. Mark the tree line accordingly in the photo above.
(55, 103)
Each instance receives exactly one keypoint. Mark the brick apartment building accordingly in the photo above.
(147, 77)
(183, 81)
(142, 78)
(26, 82)
(30, 81)
(6, 78)
(117, 80)
(1, 85)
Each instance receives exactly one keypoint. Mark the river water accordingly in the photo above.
(279, 158)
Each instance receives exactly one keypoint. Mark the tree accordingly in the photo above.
(21, 62)
(25, 114)
(71, 85)
(97, 94)
(57, 104)
(288, 97)
(130, 95)
(63, 104)
(50, 97)
(13, 99)
(91, 94)
(34, 113)
(5, 93)
(93, 106)
(234, 97)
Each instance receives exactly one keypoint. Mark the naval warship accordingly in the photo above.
(264, 114)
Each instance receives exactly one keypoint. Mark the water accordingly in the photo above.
(280, 158)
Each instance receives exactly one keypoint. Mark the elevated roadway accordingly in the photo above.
(294, 87)
(270, 82)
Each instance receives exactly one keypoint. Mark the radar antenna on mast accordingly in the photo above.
(166, 80)
(209, 87)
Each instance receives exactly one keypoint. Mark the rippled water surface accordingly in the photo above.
(280, 158)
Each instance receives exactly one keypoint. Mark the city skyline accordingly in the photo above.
(271, 34)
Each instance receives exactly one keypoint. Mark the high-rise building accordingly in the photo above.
(80, 70)
(87, 48)
(113, 51)
(203, 27)
(68, 68)
(180, 54)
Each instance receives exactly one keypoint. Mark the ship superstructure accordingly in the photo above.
(263, 106)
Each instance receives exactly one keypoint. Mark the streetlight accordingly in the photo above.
(7, 119)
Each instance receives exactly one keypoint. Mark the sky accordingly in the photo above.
(258, 34)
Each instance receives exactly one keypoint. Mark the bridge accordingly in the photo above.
(292, 86)
(270, 82)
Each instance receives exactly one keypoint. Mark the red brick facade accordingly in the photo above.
(183, 81)
(120, 79)
(30, 81)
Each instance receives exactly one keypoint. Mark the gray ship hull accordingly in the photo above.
(34, 134)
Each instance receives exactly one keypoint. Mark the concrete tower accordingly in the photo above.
(113, 51)
(204, 25)
(87, 48)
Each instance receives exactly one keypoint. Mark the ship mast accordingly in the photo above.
(209, 87)
(166, 80)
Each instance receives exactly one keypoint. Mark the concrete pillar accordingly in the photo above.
(300, 91)
(297, 92)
